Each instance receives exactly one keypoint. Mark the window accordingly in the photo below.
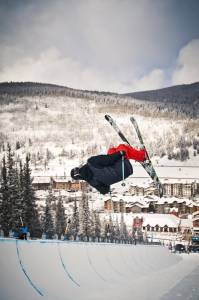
(165, 228)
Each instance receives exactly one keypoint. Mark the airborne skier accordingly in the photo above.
(147, 163)
(103, 170)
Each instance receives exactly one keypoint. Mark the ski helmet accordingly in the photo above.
(75, 174)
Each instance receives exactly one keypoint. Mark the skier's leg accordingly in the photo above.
(132, 153)
(139, 155)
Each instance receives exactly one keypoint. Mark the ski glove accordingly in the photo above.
(123, 153)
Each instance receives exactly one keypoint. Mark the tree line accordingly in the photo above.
(83, 224)
(17, 197)
(18, 207)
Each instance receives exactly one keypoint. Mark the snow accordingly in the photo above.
(160, 219)
(186, 223)
(41, 179)
(148, 219)
(91, 271)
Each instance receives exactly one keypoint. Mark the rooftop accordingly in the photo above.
(148, 219)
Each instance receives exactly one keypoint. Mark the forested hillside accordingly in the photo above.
(186, 93)
(54, 122)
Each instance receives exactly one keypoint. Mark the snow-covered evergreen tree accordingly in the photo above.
(117, 230)
(126, 234)
(48, 225)
(6, 212)
(73, 225)
(103, 233)
(60, 218)
(84, 217)
(97, 225)
(121, 229)
(92, 226)
(30, 215)
(111, 229)
(14, 196)
(95, 231)
(17, 203)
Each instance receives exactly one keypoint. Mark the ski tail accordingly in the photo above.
(148, 166)
(135, 124)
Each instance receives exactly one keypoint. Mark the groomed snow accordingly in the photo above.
(87, 271)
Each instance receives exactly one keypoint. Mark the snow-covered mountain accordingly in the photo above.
(186, 93)
(60, 124)
(182, 94)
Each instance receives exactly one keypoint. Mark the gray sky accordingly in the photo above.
(112, 45)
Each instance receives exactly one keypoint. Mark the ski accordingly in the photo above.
(147, 165)
(114, 125)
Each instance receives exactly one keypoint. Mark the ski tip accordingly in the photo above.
(107, 117)
(132, 118)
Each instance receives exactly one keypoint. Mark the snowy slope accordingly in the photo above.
(74, 128)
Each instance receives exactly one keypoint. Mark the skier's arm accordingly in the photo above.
(101, 161)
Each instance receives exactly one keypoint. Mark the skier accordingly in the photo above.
(103, 170)
(23, 232)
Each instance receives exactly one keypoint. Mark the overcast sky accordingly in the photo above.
(112, 45)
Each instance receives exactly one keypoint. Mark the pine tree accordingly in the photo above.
(84, 218)
(21, 178)
(117, 230)
(17, 202)
(30, 214)
(60, 220)
(48, 217)
(6, 212)
(125, 233)
(122, 225)
(18, 146)
(14, 196)
(92, 226)
(97, 225)
(73, 226)
(49, 155)
(81, 232)
(21, 182)
(87, 214)
(103, 233)
(111, 229)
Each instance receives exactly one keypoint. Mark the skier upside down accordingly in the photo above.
(103, 170)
